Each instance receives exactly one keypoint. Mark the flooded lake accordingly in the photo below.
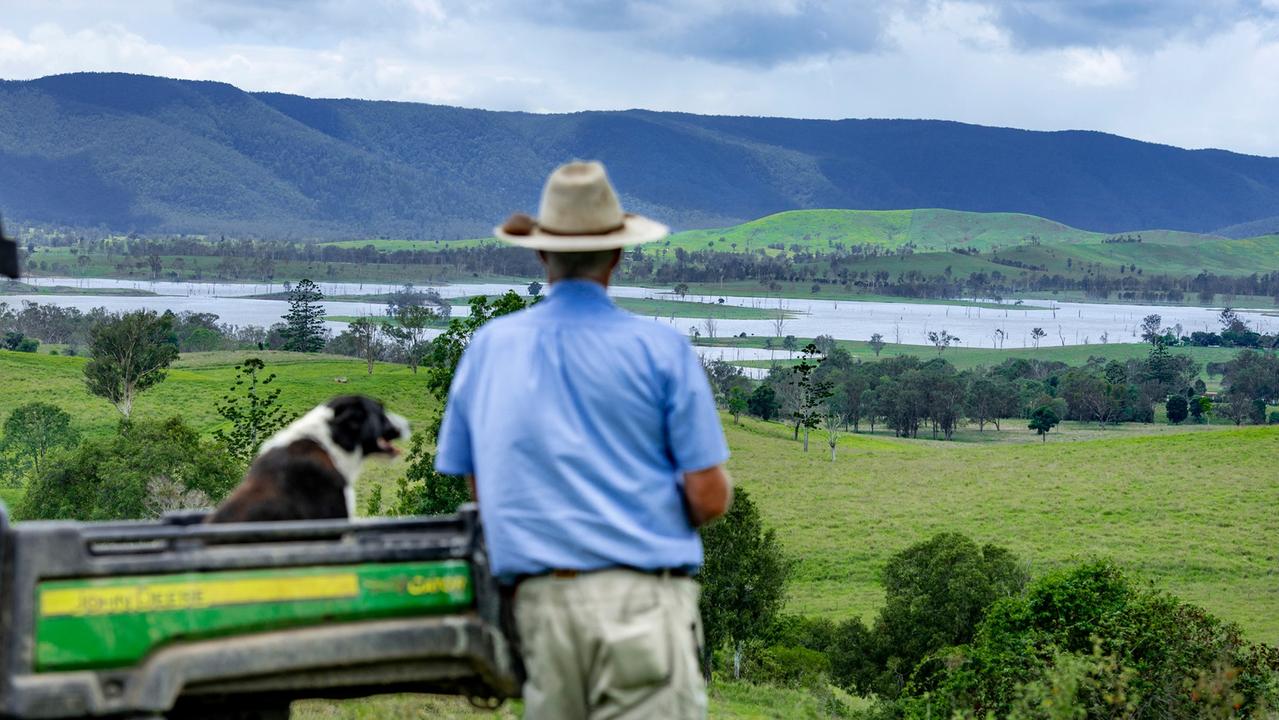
(898, 322)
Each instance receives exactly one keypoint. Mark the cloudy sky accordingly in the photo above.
(1194, 73)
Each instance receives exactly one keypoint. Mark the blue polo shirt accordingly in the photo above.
(578, 421)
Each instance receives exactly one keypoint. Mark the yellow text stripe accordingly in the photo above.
(194, 594)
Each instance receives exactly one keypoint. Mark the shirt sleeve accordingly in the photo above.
(693, 431)
(453, 451)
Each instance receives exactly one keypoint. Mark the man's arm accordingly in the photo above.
(708, 494)
(470, 483)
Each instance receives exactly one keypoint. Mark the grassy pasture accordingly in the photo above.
(1192, 511)
(728, 701)
(1190, 508)
(926, 229)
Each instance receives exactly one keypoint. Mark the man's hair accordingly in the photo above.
(569, 265)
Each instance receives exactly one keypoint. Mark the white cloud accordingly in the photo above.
(1094, 67)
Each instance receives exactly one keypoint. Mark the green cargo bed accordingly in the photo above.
(171, 617)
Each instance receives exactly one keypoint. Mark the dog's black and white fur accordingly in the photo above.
(307, 471)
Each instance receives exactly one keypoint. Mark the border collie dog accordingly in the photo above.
(307, 470)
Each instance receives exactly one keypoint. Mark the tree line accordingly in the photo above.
(836, 266)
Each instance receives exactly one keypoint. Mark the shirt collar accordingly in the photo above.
(575, 290)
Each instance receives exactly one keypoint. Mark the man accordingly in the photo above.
(593, 446)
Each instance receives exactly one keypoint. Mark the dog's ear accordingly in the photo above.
(358, 422)
(350, 415)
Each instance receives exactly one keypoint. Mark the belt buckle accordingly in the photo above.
(564, 574)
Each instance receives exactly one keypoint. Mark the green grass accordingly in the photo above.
(1193, 511)
(1190, 508)
(687, 309)
(198, 380)
(20, 288)
(728, 701)
(926, 229)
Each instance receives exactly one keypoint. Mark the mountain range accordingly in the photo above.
(155, 155)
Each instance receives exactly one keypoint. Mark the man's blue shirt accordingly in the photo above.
(578, 421)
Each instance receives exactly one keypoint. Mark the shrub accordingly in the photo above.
(791, 666)
(743, 580)
(936, 593)
(1108, 647)
(108, 479)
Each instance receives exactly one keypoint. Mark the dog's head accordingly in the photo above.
(361, 425)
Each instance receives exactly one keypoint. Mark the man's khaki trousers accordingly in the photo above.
(611, 644)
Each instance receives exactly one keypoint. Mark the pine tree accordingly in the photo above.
(304, 323)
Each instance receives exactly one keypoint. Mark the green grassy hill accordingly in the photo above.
(925, 229)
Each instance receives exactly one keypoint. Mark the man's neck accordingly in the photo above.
(597, 280)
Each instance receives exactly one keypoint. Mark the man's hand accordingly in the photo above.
(708, 494)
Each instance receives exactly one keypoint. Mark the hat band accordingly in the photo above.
(605, 231)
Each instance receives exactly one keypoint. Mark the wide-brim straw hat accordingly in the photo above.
(580, 212)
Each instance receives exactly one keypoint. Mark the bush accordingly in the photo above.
(743, 579)
(108, 479)
(1104, 646)
(791, 667)
(936, 593)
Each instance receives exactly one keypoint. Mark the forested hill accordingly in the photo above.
(127, 152)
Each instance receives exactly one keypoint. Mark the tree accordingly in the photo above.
(1089, 396)
(743, 578)
(811, 392)
(1177, 409)
(413, 322)
(304, 322)
(877, 343)
(34, 429)
(108, 478)
(253, 409)
(779, 319)
(1237, 408)
(1127, 651)
(1043, 420)
(723, 377)
(365, 332)
(18, 342)
(942, 340)
(763, 402)
(129, 354)
(737, 403)
(681, 289)
(831, 423)
(935, 594)
(1200, 407)
(1037, 334)
(712, 327)
(985, 399)
(422, 490)
(534, 289)
(1150, 329)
